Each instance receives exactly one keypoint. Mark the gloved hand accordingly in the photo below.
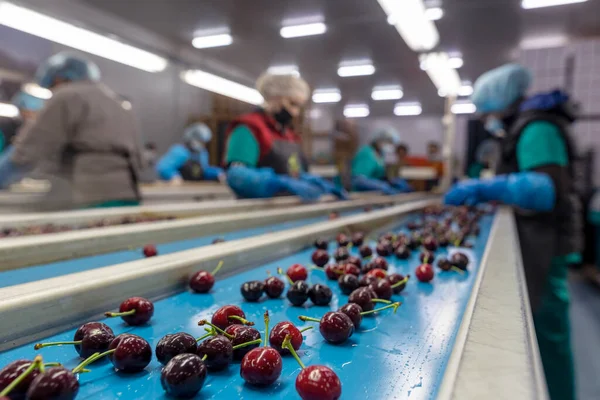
(306, 191)
(252, 183)
(326, 186)
(401, 185)
(528, 190)
(363, 184)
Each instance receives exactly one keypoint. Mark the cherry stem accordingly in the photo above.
(381, 301)
(120, 314)
(205, 357)
(250, 343)
(280, 272)
(244, 321)
(305, 329)
(393, 305)
(313, 266)
(305, 318)
(42, 345)
(52, 364)
(216, 328)
(456, 269)
(219, 266)
(266, 317)
(37, 362)
(287, 344)
(400, 283)
(94, 357)
(211, 333)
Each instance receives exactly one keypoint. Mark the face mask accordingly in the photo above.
(283, 116)
(495, 126)
(387, 149)
(196, 145)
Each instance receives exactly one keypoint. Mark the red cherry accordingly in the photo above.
(134, 311)
(351, 269)
(297, 272)
(366, 280)
(382, 288)
(365, 251)
(353, 311)
(320, 257)
(380, 263)
(354, 260)
(132, 353)
(229, 315)
(280, 331)
(261, 366)
(430, 243)
(333, 271)
(395, 278)
(336, 327)
(274, 287)
(342, 239)
(317, 382)
(202, 282)
(242, 334)
(378, 273)
(150, 250)
(424, 272)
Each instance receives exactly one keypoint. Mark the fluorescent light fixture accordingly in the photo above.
(387, 93)
(356, 111)
(205, 42)
(434, 13)
(292, 31)
(69, 35)
(126, 104)
(445, 78)
(37, 91)
(406, 109)
(8, 110)
(528, 4)
(463, 108)
(455, 62)
(410, 19)
(284, 70)
(326, 96)
(216, 84)
(544, 42)
(356, 69)
(466, 89)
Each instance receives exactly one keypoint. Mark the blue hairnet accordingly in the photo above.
(66, 66)
(497, 89)
(25, 101)
(197, 131)
(389, 134)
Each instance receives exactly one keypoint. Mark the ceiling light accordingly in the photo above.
(445, 78)
(356, 69)
(405, 109)
(466, 89)
(126, 104)
(317, 28)
(356, 111)
(463, 108)
(387, 93)
(66, 34)
(37, 91)
(544, 42)
(326, 96)
(205, 42)
(455, 62)
(284, 70)
(411, 22)
(216, 84)
(528, 4)
(434, 13)
(8, 110)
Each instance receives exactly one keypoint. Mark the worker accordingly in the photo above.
(86, 132)
(263, 154)
(368, 165)
(188, 161)
(486, 156)
(534, 176)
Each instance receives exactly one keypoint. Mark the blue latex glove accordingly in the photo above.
(363, 184)
(9, 172)
(527, 190)
(253, 183)
(306, 191)
(326, 186)
(402, 185)
(209, 172)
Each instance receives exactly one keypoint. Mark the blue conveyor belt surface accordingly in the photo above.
(65, 267)
(400, 356)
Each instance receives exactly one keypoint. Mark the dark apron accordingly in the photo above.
(8, 129)
(543, 235)
(192, 169)
(285, 157)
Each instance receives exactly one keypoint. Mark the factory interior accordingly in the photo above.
(310, 199)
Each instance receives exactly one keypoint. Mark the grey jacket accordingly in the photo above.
(90, 140)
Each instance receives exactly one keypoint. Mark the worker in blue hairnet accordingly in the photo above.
(534, 176)
(368, 165)
(85, 132)
(188, 161)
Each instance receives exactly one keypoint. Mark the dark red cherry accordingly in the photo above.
(341, 254)
(353, 311)
(218, 351)
(348, 283)
(229, 315)
(274, 287)
(11, 372)
(430, 243)
(362, 296)
(424, 272)
(388, 237)
(297, 272)
(132, 353)
(320, 258)
(365, 251)
(336, 327)
(427, 257)
(170, 346)
(366, 280)
(382, 288)
(333, 271)
(402, 252)
(321, 244)
(358, 238)
(354, 260)
(183, 376)
(459, 260)
(317, 382)
(202, 282)
(280, 331)
(384, 248)
(89, 338)
(297, 294)
(342, 239)
(57, 383)
(242, 334)
(150, 250)
(252, 291)
(351, 269)
(380, 263)
(261, 366)
(134, 311)
(378, 273)
(444, 264)
(320, 295)
(395, 278)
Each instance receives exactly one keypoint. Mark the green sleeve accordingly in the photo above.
(367, 163)
(1, 140)
(242, 147)
(541, 144)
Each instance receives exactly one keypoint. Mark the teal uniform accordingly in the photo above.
(242, 147)
(367, 162)
(541, 144)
